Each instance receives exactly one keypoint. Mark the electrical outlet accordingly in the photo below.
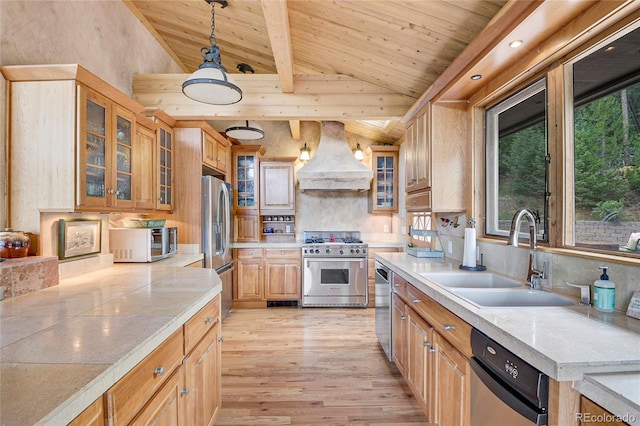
(386, 228)
(449, 246)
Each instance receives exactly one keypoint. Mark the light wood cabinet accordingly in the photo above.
(277, 187)
(399, 333)
(451, 372)
(598, 416)
(165, 164)
(263, 275)
(433, 349)
(436, 158)
(283, 274)
(383, 196)
(215, 150)
(144, 164)
(93, 415)
(246, 180)
(246, 227)
(179, 383)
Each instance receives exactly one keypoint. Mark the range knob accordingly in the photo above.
(328, 251)
(352, 251)
(357, 250)
(341, 251)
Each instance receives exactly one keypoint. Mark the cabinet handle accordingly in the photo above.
(448, 327)
(221, 339)
(414, 201)
(396, 285)
(184, 391)
(158, 370)
(208, 320)
(417, 300)
(402, 317)
(111, 191)
(426, 344)
(432, 350)
(414, 179)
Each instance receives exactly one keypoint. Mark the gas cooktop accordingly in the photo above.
(333, 244)
(331, 237)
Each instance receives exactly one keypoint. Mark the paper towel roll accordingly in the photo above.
(469, 255)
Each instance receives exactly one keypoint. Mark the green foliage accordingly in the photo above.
(609, 209)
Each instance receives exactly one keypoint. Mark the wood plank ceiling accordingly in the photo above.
(391, 50)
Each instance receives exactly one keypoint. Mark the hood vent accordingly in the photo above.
(333, 167)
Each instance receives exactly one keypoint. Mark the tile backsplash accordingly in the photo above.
(24, 275)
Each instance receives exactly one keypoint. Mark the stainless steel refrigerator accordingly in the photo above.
(216, 235)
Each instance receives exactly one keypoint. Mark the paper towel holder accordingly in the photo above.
(476, 268)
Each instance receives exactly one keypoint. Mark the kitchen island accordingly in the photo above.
(63, 347)
(569, 344)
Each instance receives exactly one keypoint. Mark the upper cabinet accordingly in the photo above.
(144, 156)
(215, 151)
(277, 186)
(246, 166)
(436, 158)
(73, 144)
(383, 196)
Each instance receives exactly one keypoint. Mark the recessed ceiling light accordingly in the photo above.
(476, 77)
(516, 43)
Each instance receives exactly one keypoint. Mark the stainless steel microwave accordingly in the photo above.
(142, 244)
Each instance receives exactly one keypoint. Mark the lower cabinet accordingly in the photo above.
(179, 383)
(593, 414)
(430, 349)
(263, 275)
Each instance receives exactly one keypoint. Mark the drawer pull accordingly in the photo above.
(448, 328)
(432, 350)
(396, 285)
(221, 339)
(426, 344)
(208, 320)
(184, 391)
(417, 300)
(402, 317)
(158, 370)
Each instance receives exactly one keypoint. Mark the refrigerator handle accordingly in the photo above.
(227, 222)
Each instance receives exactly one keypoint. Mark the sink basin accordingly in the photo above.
(470, 280)
(504, 297)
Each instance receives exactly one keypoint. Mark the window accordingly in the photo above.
(517, 160)
(606, 146)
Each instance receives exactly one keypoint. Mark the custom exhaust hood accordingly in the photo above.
(333, 167)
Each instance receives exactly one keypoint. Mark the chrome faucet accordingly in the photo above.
(533, 275)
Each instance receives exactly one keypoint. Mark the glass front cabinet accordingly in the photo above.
(106, 147)
(384, 188)
(246, 168)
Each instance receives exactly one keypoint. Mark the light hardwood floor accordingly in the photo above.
(312, 366)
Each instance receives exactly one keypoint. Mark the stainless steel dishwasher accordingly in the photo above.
(383, 307)
(505, 389)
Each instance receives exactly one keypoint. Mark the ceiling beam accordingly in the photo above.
(276, 16)
(295, 129)
(315, 97)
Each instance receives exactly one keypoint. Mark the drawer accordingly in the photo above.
(249, 253)
(400, 286)
(453, 328)
(419, 202)
(200, 323)
(280, 253)
(130, 394)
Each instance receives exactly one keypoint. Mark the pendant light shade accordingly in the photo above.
(358, 153)
(211, 84)
(305, 153)
(245, 130)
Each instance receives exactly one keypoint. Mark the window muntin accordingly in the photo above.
(517, 159)
(606, 147)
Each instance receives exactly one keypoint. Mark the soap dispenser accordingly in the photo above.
(604, 293)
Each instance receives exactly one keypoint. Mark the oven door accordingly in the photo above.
(335, 282)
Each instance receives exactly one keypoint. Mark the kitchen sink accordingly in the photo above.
(511, 297)
(470, 280)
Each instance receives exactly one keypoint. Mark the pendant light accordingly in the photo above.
(245, 130)
(211, 84)
(305, 153)
(358, 153)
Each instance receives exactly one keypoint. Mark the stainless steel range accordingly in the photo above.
(334, 269)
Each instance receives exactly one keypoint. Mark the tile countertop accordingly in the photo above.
(567, 343)
(64, 346)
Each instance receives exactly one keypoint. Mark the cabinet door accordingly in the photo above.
(276, 187)
(282, 279)
(419, 350)
(246, 228)
(94, 149)
(399, 333)
(451, 384)
(384, 193)
(164, 184)
(144, 183)
(250, 282)
(423, 150)
(121, 187)
(93, 415)
(202, 379)
(245, 181)
(222, 158)
(166, 407)
(411, 174)
(209, 150)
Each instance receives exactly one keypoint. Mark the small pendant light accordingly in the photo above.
(358, 153)
(211, 84)
(245, 130)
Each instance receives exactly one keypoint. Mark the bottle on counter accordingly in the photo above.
(604, 293)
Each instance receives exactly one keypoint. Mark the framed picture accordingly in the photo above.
(79, 237)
